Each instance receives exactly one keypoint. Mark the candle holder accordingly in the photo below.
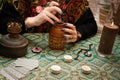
(107, 39)
(13, 44)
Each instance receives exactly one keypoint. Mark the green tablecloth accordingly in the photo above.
(102, 68)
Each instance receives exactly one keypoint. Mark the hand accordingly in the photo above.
(45, 15)
(71, 33)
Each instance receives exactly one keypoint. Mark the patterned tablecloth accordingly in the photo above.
(102, 68)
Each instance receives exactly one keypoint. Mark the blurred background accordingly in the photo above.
(100, 9)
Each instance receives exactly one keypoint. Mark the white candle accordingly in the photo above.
(55, 69)
(86, 69)
(68, 58)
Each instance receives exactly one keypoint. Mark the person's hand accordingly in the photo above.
(53, 3)
(70, 33)
(48, 14)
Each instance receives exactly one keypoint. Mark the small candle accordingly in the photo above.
(55, 69)
(68, 58)
(86, 69)
(107, 38)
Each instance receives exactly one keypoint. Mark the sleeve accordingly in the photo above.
(86, 25)
(7, 14)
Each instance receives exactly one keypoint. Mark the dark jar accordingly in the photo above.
(56, 37)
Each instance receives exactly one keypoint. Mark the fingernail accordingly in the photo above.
(62, 13)
(54, 24)
(60, 21)
(65, 37)
(63, 29)
(65, 24)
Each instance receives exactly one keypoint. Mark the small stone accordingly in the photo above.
(36, 49)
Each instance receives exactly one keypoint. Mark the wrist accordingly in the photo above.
(39, 19)
(29, 22)
(33, 21)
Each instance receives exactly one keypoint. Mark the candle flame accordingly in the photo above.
(112, 24)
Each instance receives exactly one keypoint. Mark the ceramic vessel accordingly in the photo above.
(56, 37)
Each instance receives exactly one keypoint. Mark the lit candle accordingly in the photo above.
(107, 38)
(55, 69)
(112, 24)
(68, 58)
(86, 69)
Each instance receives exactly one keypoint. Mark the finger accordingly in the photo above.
(50, 15)
(54, 8)
(71, 26)
(53, 3)
(70, 40)
(67, 30)
(68, 36)
(54, 12)
(48, 19)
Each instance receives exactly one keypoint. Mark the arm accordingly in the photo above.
(86, 25)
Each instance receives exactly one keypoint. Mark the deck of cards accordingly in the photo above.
(19, 68)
